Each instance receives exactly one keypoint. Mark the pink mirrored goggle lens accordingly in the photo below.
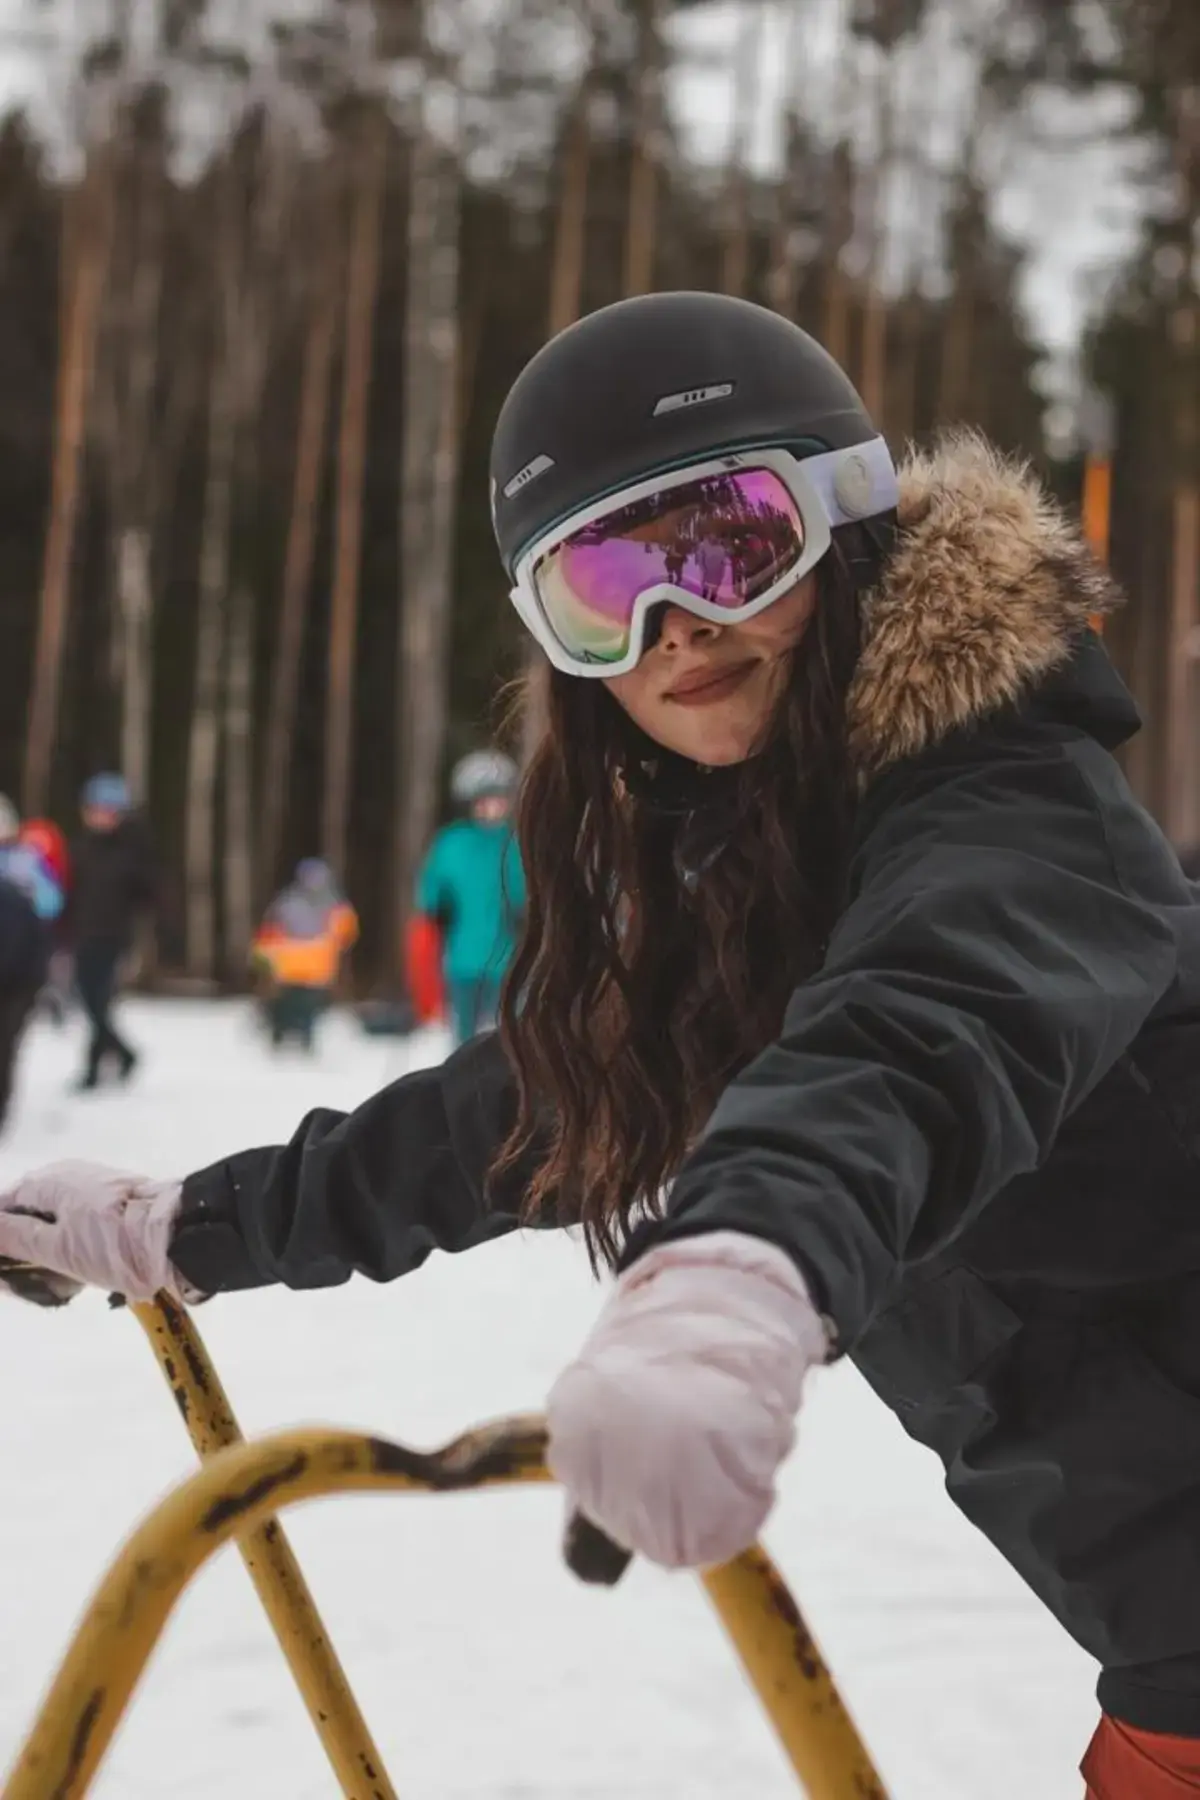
(725, 539)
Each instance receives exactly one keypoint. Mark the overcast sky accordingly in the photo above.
(1075, 210)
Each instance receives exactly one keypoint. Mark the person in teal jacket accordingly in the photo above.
(469, 900)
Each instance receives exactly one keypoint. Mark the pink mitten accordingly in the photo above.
(92, 1225)
(670, 1426)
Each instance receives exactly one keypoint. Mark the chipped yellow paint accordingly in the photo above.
(236, 1490)
(235, 1495)
(270, 1561)
(796, 1689)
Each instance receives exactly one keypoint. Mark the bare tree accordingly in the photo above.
(566, 290)
(1183, 712)
(799, 197)
(255, 305)
(429, 479)
(87, 214)
(250, 228)
(369, 165)
(204, 736)
(322, 294)
(644, 150)
(747, 84)
(127, 383)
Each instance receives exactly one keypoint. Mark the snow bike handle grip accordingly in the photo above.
(592, 1555)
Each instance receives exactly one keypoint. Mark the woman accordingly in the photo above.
(841, 922)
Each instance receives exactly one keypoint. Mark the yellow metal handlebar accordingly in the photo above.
(270, 1561)
(235, 1495)
(237, 1490)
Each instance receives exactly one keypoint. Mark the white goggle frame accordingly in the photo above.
(836, 487)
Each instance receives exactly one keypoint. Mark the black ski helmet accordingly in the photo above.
(654, 383)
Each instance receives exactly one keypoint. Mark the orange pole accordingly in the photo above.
(1097, 512)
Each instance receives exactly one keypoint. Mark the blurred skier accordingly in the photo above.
(24, 943)
(470, 895)
(307, 931)
(24, 863)
(50, 846)
(113, 886)
(44, 836)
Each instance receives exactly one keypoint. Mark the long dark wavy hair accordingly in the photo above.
(660, 948)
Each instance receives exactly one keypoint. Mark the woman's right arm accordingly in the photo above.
(372, 1191)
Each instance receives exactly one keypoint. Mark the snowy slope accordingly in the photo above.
(484, 1670)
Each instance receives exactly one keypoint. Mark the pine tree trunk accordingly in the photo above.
(1183, 728)
(428, 498)
(205, 731)
(237, 863)
(297, 568)
(1183, 700)
(85, 222)
(958, 336)
(135, 457)
(839, 210)
(361, 289)
(790, 237)
(134, 607)
(566, 274)
(566, 293)
(642, 218)
(873, 384)
(735, 263)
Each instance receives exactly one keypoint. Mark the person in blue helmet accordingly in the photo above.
(470, 896)
(113, 887)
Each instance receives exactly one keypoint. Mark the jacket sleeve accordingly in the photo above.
(373, 1191)
(994, 961)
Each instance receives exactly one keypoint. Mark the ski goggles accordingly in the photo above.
(723, 539)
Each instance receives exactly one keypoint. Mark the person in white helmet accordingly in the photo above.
(469, 899)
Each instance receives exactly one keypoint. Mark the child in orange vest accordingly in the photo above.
(307, 930)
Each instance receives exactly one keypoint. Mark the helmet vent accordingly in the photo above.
(529, 473)
(672, 403)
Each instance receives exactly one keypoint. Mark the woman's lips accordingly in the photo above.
(706, 687)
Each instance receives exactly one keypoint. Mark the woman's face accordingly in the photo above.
(708, 692)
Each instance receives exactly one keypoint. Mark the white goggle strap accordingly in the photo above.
(854, 484)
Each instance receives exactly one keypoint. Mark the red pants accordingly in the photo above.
(1124, 1764)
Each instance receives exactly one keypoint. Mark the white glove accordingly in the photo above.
(669, 1428)
(89, 1225)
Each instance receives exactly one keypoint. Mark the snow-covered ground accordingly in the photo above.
(486, 1673)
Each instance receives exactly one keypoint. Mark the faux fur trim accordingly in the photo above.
(986, 588)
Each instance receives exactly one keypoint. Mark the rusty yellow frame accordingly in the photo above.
(236, 1494)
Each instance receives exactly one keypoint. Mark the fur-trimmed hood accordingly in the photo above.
(987, 589)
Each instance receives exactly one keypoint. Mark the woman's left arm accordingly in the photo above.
(1008, 934)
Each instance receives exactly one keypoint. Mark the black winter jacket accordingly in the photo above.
(113, 882)
(24, 943)
(979, 1131)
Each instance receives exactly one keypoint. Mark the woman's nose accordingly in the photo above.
(679, 629)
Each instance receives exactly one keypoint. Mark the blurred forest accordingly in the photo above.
(266, 272)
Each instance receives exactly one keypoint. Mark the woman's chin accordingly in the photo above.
(718, 739)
